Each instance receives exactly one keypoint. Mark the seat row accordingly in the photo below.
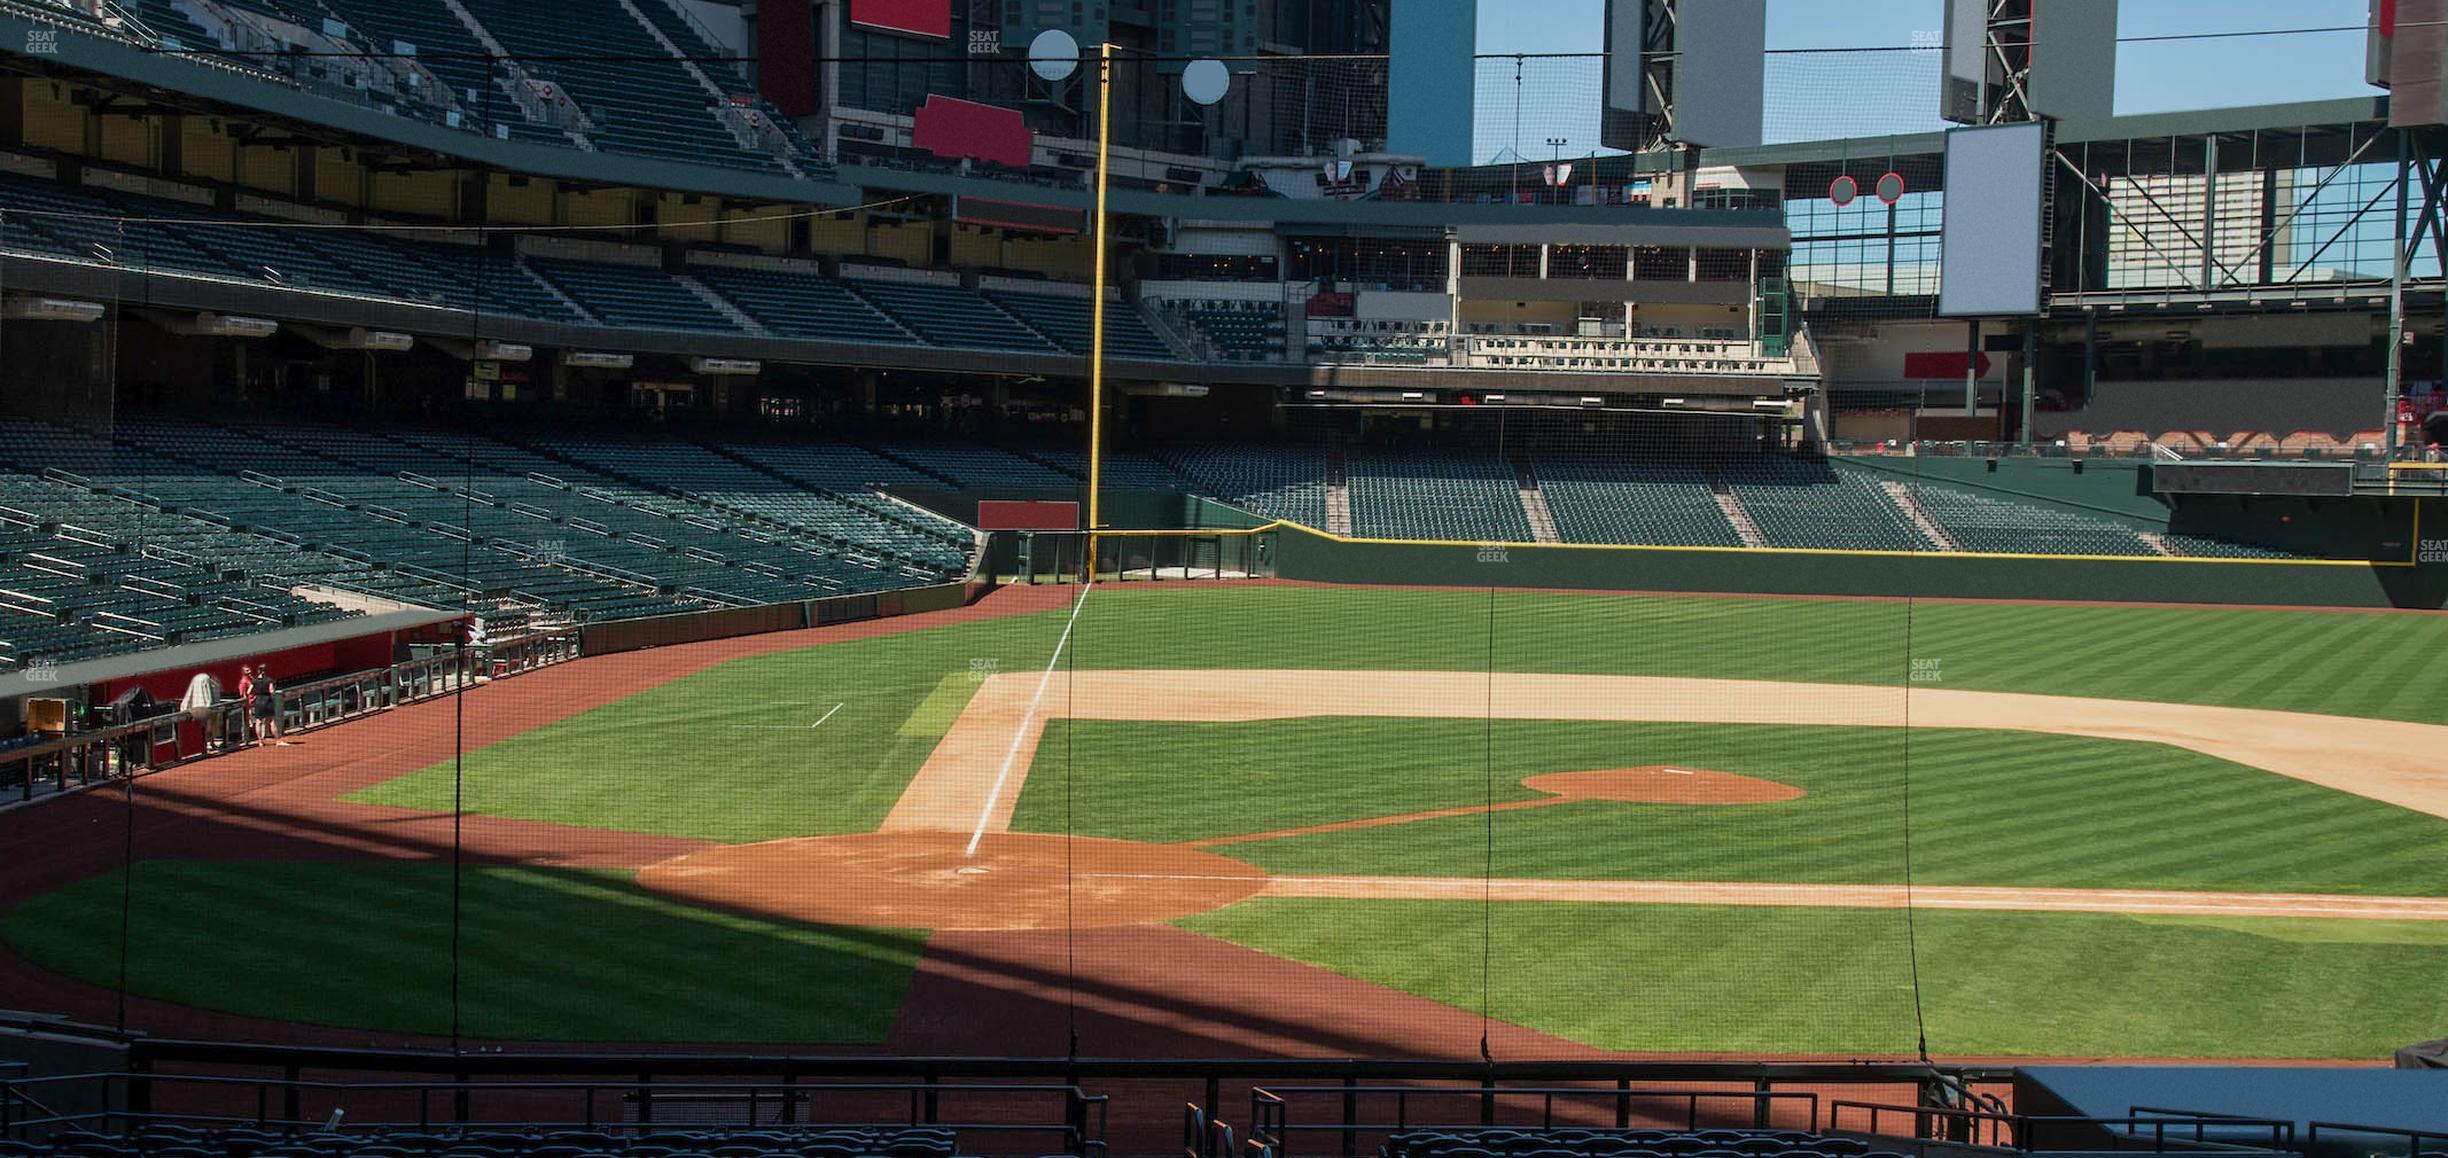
(105, 538)
(629, 1140)
(1593, 1143)
(1789, 502)
(632, 73)
(98, 226)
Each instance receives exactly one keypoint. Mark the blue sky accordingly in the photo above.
(1894, 94)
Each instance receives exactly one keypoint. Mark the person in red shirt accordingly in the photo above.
(246, 706)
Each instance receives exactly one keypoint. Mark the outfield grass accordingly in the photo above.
(1838, 981)
(702, 757)
(726, 754)
(547, 954)
(2348, 664)
(1987, 807)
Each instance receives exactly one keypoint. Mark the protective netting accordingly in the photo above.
(1537, 109)
(1831, 94)
(413, 693)
(1438, 807)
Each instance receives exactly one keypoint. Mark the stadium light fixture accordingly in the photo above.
(385, 340)
(492, 351)
(1053, 55)
(1204, 82)
(52, 310)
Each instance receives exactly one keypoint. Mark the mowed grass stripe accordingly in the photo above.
(650, 763)
(1836, 981)
(547, 954)
(1987, 807)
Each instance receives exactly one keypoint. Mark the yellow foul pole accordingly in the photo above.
(1096, 325)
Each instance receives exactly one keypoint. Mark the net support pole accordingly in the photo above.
(2031, 383)
(1972, 352)
(2396, 331)
(1096, 321)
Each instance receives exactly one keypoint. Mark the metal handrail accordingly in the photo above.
(2414, 1138)
(627, 1104)
(1954, 1125)
(1271, 1124)
(104, 754)
(2025, 1131)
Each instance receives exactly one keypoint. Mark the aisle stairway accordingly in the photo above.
(1736, 516)
(1338, 495)
(1534, 503)
(1904, 501)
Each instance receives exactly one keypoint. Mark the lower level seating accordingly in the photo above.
(1498, 1142)
(170, 529)
(640, 1140)
(1801, 503)
(70, 593)
(1284, 481)
(1435, 495)
(1595, 501)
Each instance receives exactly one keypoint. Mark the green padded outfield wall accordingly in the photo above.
(2357, 528)
(1139, 510)
(1311, 556)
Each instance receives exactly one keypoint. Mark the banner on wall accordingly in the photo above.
(909, 17)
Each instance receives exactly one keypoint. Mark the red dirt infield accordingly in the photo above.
(930, 880)
(1663, 784)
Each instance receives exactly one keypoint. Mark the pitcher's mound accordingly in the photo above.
(1663, 784)
(924, 880)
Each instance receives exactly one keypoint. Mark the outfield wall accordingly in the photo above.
(725, 623)
(1310, 555)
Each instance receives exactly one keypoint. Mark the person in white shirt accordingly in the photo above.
(202, 701)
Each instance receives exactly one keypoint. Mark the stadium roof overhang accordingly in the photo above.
(2325, 128)
(177, 82)
(1292, 213)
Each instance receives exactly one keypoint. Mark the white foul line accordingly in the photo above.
(794, 727)
(1019, 734)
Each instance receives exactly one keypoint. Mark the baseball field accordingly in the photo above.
(1234, 818)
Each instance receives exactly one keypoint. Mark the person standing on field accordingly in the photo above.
(246, 706)
(267, 708)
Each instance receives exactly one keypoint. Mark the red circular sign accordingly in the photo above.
(1843, 190)
(1891, 187)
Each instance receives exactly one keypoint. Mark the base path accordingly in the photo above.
(2149, 902)
(961, 788)
(1649, 784)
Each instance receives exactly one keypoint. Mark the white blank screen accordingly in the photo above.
(1989, 246)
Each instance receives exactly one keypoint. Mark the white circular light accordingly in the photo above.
(1205, 81)
(1053, 55)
